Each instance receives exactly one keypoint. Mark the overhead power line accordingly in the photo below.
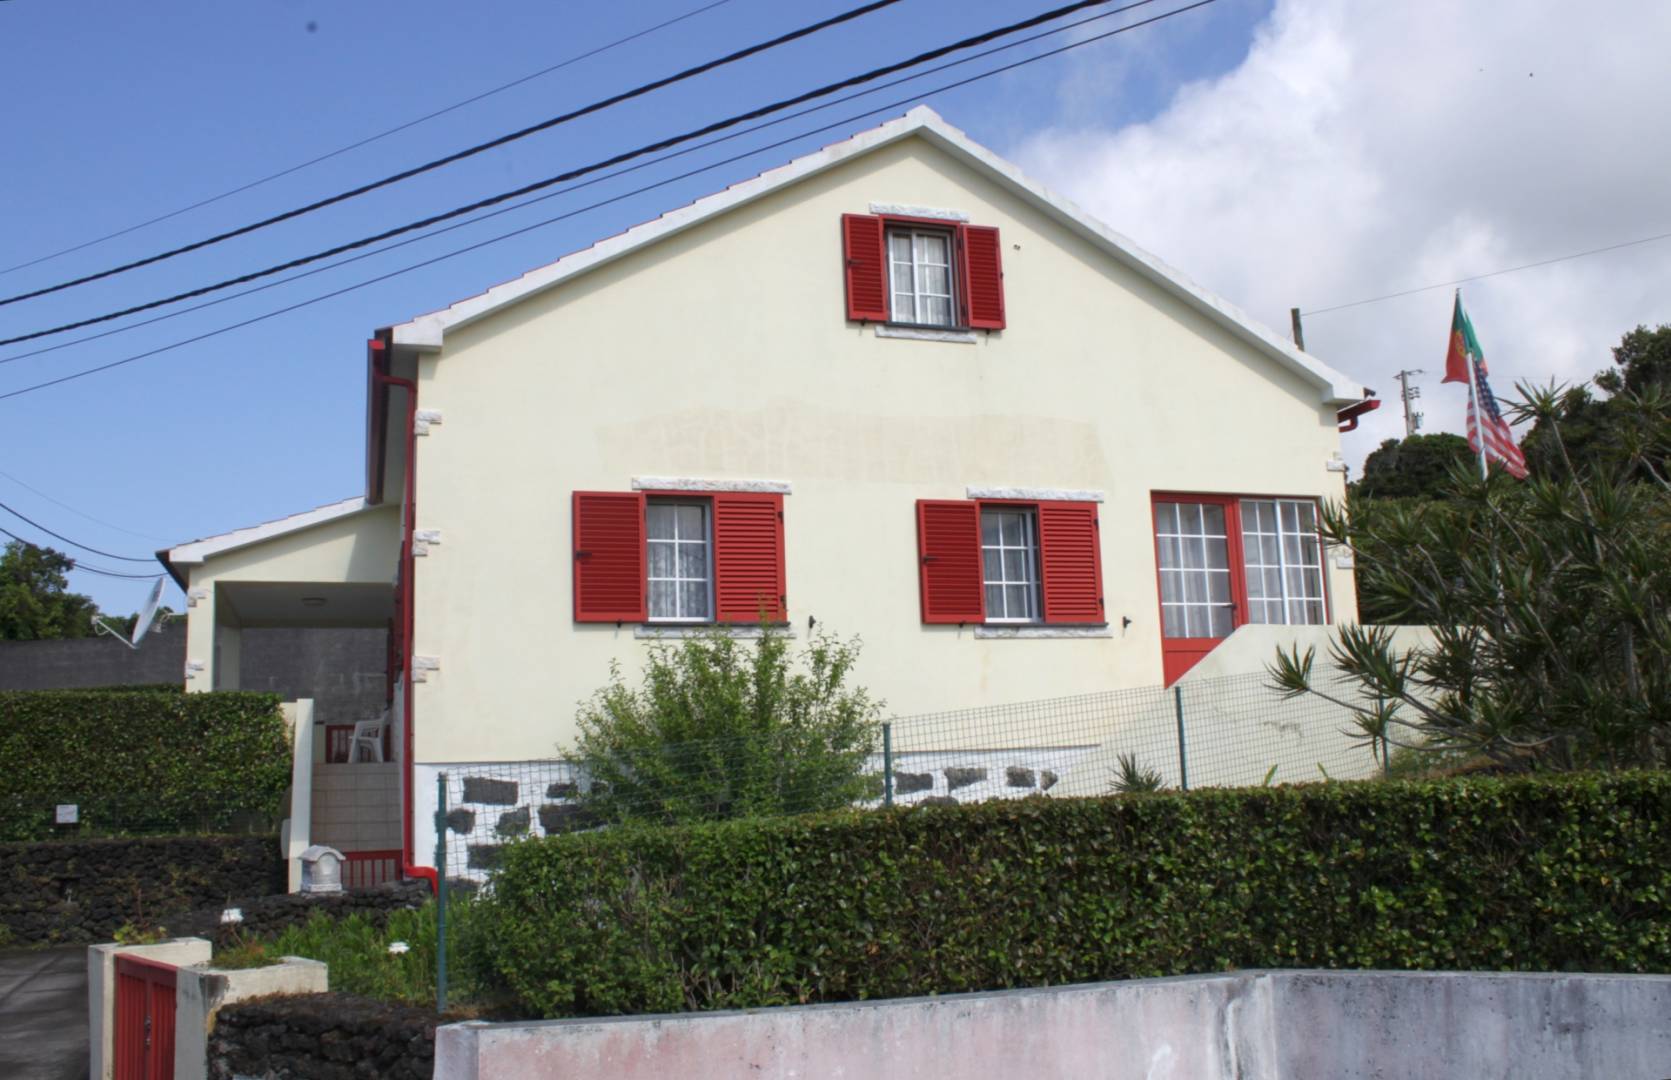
(67, 540)
(78, 513)
(472, 151)
(74, 564)
(98, 369)
(650, 148)
(369, 139)
(1492, 274)
(600, 179)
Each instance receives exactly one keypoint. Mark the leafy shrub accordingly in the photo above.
(140, 761)
(1569, 873)
(724, 728)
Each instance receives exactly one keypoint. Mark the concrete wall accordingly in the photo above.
(342, 669)
(201, 990)
(723, 353)
(1270, 1025)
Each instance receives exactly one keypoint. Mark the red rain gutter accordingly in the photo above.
(1348, 417)
(381, 352)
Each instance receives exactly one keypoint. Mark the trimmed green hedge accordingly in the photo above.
(1559, 874)
(140, 761)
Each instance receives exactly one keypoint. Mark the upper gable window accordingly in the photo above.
(920, 276)
(921, 272)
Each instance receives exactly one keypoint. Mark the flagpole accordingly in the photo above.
(1474, 404)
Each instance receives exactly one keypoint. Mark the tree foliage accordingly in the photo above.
(723, 728)
(1549, 600)
(1415, 468)
(35, 601)
(1608, 431)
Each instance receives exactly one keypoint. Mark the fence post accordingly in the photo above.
(1183, 760)
(441, 893)
(887, 764)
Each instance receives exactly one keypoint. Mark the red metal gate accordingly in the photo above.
(144, 1042)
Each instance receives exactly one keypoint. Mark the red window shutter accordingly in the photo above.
(1070, 558)
(609, 557)
(983, 277)
(949, 557)
(748, 557)
(866, 255)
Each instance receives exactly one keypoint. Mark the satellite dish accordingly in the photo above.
(148, 613)
(142, 623)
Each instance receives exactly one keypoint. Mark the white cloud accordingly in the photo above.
(1365, 149)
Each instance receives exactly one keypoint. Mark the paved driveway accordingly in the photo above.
(43, 1014)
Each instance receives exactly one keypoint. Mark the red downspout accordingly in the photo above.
(382, 354)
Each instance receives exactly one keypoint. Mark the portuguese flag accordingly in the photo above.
(1464, 346)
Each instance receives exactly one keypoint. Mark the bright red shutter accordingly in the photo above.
(1071, 560)
(983, 277)
(865, 253)
(609, 557)
(748, 557)
(949, 556)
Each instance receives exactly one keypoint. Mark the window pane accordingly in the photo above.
(662, 600)
(1194, 557)
(1269, 554)
(1220, 625)
(1171, 586)
(1273, 584)
(936, 281)
(1172, 622)
(1308, 517)
(1218, 554)
(693, 561)
(1218, 588)
(900, 245)
(1290, 517)
(992, 563)
(995, 601)
(1189, 516)
(1214, 519)
(935, 311)
(1169, 557)
(690, 523)
(693, 599)
(1015, 533)
(989, 527)
(931, 248)
(661, 559)
(1019, 600)
(1166, 518)
(1195, 588)
(904, 309)
(1291, 550)
(660, 519)
(1015, 565)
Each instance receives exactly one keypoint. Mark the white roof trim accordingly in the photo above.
(198, 551)
(428, 331)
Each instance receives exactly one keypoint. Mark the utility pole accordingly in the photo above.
(1408, 394)
(1299, 331)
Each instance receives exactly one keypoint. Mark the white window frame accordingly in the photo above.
(1034, 577)
(914, 289)
(707, 542)
(1253, 563)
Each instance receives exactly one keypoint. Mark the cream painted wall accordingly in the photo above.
(723, 352)
(361, 547)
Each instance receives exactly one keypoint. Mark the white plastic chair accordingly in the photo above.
(368, 735)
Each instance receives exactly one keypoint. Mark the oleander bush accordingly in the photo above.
(140, 761)
(1558, 873)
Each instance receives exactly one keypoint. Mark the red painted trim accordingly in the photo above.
(380, 356)
(154, 971)
(1348, 417)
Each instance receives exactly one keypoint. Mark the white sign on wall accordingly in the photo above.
(69, 814)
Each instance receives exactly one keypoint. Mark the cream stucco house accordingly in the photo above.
(893, 388)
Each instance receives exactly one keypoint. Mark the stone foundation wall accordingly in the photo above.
(74, 891)
(263, 916)
(322, 1037)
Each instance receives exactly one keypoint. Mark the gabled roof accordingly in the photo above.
(198, 551)
(427, 332)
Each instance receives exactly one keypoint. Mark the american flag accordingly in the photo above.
(1486, 426)
(1485, 421)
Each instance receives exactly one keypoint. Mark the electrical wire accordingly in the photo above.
(76, 565)
(369, 139)
(688, 136)
(606, 177)
(79, 513)
(471, 151)
(72, 543)
(604, 202)
(1492, 274)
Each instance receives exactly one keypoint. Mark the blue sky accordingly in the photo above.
(129, 111)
